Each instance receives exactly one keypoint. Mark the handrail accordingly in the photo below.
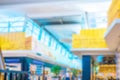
(19, 72)
(11, 71)
(14, 75)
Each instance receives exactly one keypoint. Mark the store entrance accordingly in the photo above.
(104, 67)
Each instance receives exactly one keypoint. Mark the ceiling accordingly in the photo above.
(63, 27)
(54, 8)
(60, 17)
(4, 2)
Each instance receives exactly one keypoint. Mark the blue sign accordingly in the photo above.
(37, 62)
(12, 60)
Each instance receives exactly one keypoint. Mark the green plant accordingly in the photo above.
(56, 70)
(75, 72)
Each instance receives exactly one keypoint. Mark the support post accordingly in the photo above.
(86, 67)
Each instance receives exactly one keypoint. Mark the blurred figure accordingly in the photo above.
(63, 77)
(67, 76)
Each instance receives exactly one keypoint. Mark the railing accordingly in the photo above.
(15, 75)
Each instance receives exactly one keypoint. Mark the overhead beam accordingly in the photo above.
(92, 51)
(27, 53)
(11, 2)
(30, 54)
(56, 8)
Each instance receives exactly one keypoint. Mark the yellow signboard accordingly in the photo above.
(89, 38)
(107, 68)
(114, 11)
(15, 41)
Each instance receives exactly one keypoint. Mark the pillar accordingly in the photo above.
(25, 67)
(118, 66)
(86, 67)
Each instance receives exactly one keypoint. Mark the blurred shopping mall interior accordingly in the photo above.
(59, 40)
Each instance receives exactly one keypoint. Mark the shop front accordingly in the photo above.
(32, 66)
(104, 68)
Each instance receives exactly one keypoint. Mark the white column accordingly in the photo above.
(118, 65)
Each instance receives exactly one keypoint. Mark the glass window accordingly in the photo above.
(54, 45)
(35, 35)
(28, 32)
(35, 24)
(59, 49)
(96, 20)
(27, 28)
(29, 25)
(92, 21)
(70, 56)
(14, 29)
(4, 24)
(43, 36)
(40, 34)
(14, 19)
(47, 39)
(52, 42)
(36, 32)
(16, 24)
(4, 19)
(67, 53)
(57, 45)
(63, 52)
(3, 29)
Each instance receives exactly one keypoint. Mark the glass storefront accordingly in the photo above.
(34, 67)
(104, 68)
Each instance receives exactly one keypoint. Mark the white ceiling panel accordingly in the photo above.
(5, 2)
(61, 8)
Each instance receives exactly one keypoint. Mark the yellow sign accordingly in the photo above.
(107, 68)
(89, 38)
(114, 11)
(15, 41)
